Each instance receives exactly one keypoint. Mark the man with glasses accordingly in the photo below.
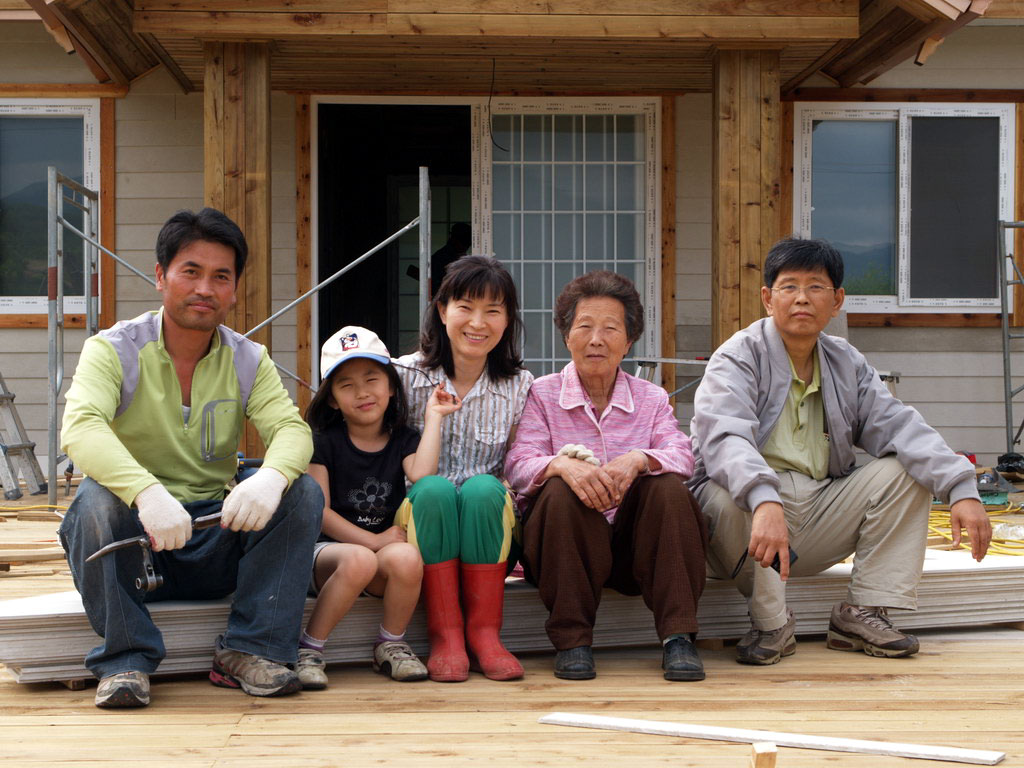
(776, 419)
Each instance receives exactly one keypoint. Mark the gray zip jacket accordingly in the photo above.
(741, 397)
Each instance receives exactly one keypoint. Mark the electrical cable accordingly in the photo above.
(939, 524)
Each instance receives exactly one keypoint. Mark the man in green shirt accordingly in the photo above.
(153, 418)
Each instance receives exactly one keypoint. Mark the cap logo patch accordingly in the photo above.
(349, 341)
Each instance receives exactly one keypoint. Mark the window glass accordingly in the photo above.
(27, 146)
(853, 199)
(954, 199)
(911, 195)
(571, 194)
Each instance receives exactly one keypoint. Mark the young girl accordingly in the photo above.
(362, 453)
(462, 519)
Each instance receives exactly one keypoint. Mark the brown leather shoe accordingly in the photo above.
(868, 628)
(767, 647)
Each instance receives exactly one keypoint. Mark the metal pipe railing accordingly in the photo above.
(56, 224)
(1009, 392)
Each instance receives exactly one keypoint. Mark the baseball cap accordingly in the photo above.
(351, 342)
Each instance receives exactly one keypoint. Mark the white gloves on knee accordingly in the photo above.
(165, 520)
(252, 502)
(581, 452)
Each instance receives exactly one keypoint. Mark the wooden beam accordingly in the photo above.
(748, 736)
(745, 184)
(108, 212)
(923, 95)
(763, 754)
(303, 242)
(928, 10)
(885, 60)
(786, 169)
(251, 24)
(63, 90)
(218, 24)
(668, 239)
(922, 320)
(544, 7)
(1005, 9)
(817, 66)
(237, 171)
(725, 162)
(86, 38)
(158, 52)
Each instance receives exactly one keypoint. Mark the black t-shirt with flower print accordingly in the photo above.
(366, 488)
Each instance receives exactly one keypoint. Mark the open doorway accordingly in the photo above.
(367, 165)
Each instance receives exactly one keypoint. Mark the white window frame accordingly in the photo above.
(804, 115)
(89, 111)
(649, 344)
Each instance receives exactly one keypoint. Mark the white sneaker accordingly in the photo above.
(311, 669)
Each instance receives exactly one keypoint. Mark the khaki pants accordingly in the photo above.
(879, 512)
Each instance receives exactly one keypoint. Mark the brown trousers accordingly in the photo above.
(654, 547)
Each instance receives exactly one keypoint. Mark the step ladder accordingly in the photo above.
(18, 454)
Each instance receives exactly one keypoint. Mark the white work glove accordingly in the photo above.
(252, 502)
(581, 452)
(165, 520)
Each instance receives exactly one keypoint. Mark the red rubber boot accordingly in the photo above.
(483, 594)
(448, 662)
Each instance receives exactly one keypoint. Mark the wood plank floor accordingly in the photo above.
(965, 689)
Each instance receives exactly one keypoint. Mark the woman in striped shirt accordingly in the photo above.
(462, 518)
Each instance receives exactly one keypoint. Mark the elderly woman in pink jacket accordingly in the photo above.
(599, 464)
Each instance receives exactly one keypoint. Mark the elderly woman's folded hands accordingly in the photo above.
(598, 486)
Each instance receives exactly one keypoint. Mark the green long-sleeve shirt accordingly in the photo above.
(124, 427)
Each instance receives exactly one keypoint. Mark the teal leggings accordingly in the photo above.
(473, 523)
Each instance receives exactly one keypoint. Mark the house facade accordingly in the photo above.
(673, 142)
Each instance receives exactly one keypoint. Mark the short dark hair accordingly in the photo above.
(595, 284)
(210, 225)
(473, 277)
(793, 253)
(322, 416)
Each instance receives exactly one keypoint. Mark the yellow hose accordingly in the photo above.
(939, 525)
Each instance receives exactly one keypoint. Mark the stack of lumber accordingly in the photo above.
(46, 637)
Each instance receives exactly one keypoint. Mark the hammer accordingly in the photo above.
(150, 579)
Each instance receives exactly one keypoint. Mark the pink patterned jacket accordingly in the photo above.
(559, 411)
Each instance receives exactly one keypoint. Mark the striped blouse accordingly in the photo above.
(473, 438)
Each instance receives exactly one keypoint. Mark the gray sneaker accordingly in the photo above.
(767, 647)
(396, 658)
(867, 628)
(311, 669)
(125, 689)
(255, 675)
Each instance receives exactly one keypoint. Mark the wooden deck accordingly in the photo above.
(965, 689)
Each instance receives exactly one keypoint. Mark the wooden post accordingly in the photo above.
(303, 243)
(763, 754)
(668, 239)
(745, 185)
(236, 126)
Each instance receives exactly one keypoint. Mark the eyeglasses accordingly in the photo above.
(813, 291)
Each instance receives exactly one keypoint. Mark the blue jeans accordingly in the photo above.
(268, 571)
